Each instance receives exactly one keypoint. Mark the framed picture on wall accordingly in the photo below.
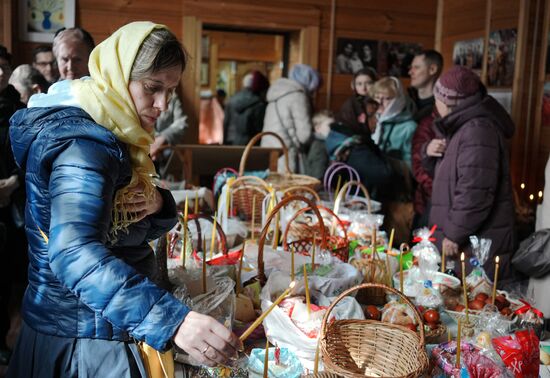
(469, 53)
(40, 19)
(501, 58)
(355, 54)
(395, 58)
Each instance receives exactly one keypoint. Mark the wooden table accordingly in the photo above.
(198, 160)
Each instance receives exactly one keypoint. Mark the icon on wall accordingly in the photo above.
(469, 54)
(40, 19)
(386, 58)
(501, 58)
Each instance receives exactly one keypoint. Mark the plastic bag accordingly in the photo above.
(474, 363)
(429, 297)
(530, 317)
(520, 353)
(395, 312)
(282, 331)
(289, 366)
(477, 281)
(426, 252)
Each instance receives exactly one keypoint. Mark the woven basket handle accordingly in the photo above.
(342, 194)
(301, 211)
(251, 144)
(353, 176)
(265, 229)
(377, 286)
(221, 235)
(300, 188)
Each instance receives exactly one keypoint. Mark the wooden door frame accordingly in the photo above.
(305, 20)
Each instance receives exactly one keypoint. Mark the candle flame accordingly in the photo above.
(462, 257)
(522, 186)
(292, 284)
(497, 259)
(531, 197)
(540, 193)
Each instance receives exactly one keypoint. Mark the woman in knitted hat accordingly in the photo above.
(289, 112)
(90, 308)
(472, 192)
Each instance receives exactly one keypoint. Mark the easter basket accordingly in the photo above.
(371, 348)
(279, 181)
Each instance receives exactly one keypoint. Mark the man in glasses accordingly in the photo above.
(44, 61)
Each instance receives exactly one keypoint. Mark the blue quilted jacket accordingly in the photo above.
(80, 284)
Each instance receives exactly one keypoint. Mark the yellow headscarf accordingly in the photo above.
(107, 100)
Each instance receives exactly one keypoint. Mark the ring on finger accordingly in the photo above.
(205, 349)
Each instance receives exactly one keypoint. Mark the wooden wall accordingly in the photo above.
(468, 19)
(393, 20)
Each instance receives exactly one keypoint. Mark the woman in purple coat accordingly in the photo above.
(472, 192)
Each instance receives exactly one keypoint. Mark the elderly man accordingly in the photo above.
(28, 81)
(72, 48)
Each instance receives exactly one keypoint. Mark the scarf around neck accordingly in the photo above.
(106, 98)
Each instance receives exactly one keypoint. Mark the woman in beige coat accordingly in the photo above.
(288, 113)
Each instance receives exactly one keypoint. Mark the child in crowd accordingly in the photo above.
(317, 157)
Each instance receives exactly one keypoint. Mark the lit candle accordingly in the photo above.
(253, 220)
(497, 260)
(308, 299)
(316, 362)
(239, 282)
(463, 264)
(531, 197)
(443, 260)
(259, 321)
(292, 248)
(522, 186)
(458, 347)
(266, 359)
(213, 236)
(196, 204)
(185, 219)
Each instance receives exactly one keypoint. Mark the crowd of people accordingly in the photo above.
(86, 136)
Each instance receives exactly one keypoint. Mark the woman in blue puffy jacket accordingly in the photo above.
(91, 210)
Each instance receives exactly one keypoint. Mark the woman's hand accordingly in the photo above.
(436, 147)
(449, 247)
(206, 340)
(140, 206)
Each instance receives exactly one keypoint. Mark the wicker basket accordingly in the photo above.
(321, 375)
(176, 237)
(370, 348)
(433, 335)
(247, 192)
(279, 181)
(267, 227)
(305, 234)
(341, 196)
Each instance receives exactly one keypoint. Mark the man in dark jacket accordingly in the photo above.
(425, 70)
(245, 110)
(13, 251)
(472, 191)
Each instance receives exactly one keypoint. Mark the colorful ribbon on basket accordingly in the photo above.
(418, 238)
(526, 307)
